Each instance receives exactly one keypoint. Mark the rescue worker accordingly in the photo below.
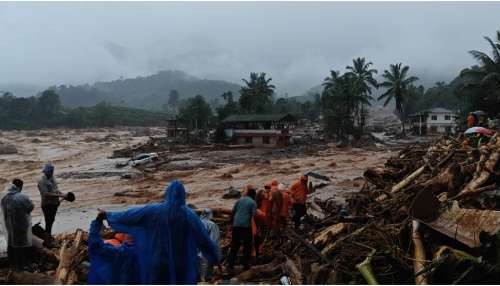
(16, 209)
(286, 203)
(167, 237)
(299, 191)
(50, 195)
(241, 221)
(471, 119)
(275, 208)
(112, 261)
(206, 268)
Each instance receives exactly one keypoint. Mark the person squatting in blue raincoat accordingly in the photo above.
(110, 264)
(167, 237)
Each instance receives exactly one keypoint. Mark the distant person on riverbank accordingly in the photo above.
(167, 237)
(16, 209)
(50, 195)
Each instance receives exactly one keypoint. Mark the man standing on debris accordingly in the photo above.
(206, 268)
(50, 195)
(241, 220)
(167, 237)
(299, 191)
(16, 209)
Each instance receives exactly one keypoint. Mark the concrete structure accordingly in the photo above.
(259, 129)
(173, 128)
(434, 121)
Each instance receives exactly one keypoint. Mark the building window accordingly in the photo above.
(434, 117)
(248, 140)
(265, 140)
(433, 129)
(448, 129)
(447, 117)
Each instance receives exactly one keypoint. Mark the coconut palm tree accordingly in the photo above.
(485, 80)
(257, 94)
(397, 83)
(361, 70)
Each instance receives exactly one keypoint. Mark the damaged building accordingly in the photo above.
(273, 130)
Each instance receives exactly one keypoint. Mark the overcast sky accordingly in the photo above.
(295, 43)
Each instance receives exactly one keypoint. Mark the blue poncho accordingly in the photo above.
(167, 237)
(110, 264)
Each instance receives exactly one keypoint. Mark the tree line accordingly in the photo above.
(46, 110)
(342, 104)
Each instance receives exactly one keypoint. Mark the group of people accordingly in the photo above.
(168, 243)
(257, 215)
(16, 214)
(161, 243)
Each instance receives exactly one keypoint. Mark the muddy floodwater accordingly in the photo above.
(83, 166)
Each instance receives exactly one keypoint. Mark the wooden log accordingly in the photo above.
(308, 245)
(483, 174)
(332, 246)
(329, 233)
(67, 257)
(264, 270)
(419, 254)
(405, 182)
(293, 272)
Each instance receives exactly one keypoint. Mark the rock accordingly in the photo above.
(7, 149)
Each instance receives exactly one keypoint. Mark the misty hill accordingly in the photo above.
(21, 89)
(150, 92)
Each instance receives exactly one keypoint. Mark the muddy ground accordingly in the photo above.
(83, 166)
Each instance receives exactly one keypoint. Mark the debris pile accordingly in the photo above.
(422, 218)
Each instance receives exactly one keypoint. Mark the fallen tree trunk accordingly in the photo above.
(263, 270)
(293, 272)
(65, 271)
(404, 182)
(331, 247)
(324, 236)
(419, 254)
(483, 173)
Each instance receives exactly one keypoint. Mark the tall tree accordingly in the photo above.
(361, 70)
(229, 108)
(341, 95)
(397, 83)
(196, 112)
(257, 94)
(485, 80)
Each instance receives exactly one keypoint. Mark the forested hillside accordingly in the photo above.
(150, 92)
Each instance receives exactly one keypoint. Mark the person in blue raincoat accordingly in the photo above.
(110, 264)
(167, 237)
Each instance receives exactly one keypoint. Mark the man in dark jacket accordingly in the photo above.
(50, 196)
(241, 219)
(16, 209)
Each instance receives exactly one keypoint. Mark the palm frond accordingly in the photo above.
(494, 48)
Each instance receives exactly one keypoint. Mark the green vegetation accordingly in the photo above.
(46, 111)
(343, 97)
(257, 95)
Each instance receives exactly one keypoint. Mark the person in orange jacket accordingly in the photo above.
(470, 120)
(299, 191)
